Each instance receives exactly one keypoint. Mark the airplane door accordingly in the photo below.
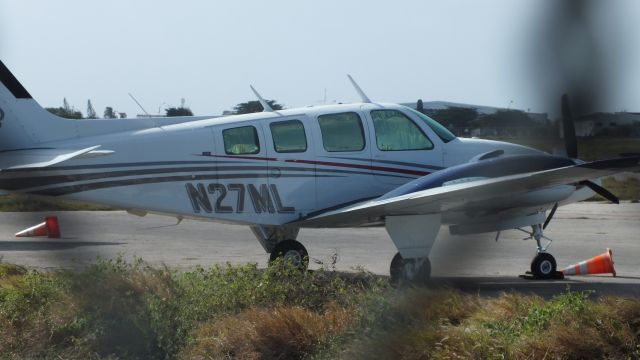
(343, 158)
(401, 146)
(290, 158)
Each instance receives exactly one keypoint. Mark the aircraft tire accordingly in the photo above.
(543, 266)
(293, 251)
(409, 271)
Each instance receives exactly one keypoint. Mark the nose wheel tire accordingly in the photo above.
(409, 271)
(291, 252)
(543, 266)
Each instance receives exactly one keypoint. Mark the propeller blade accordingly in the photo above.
(569, 130)
(553, 211)
(601, 191)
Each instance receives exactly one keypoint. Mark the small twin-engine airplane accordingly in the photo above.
(346, 165)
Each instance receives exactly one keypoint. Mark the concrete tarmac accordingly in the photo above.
(472, 263)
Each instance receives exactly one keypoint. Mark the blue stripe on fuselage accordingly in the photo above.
(490, 168)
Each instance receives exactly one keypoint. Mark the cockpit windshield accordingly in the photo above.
(442, 132)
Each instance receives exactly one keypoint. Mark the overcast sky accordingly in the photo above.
(208, 52)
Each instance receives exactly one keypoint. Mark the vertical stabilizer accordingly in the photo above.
(12, 84)
(23, 122)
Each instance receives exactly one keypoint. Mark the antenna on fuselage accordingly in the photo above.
(136, 101)
(363, 96)
(265, 105)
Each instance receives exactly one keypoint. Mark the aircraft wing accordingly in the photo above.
(456, 196)
(39, 158)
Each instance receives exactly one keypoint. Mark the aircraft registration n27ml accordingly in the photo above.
(263, 200)
(345, 165)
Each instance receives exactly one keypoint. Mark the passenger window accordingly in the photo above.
(342, 132)
(288, 136)
(396, 132)
(241, 140)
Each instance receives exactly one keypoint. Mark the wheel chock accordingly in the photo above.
(558, 275)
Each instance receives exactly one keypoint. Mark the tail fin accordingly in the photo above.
(23, 122)
(25, 125)
(12, 84)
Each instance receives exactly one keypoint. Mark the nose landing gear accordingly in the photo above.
(543, 265)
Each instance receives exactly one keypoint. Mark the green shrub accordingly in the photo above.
(114, 309)
(133, 310)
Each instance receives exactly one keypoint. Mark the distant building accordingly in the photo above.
(476, 128)
(433, 106)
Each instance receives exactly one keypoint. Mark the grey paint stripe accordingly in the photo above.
(415, 165)
(31, 182)
(66, 190)
(117, 165)
(26, 149)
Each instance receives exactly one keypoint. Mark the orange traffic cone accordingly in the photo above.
(601, 264)
(49, 227)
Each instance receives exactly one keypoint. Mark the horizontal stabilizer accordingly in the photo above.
(38, 158)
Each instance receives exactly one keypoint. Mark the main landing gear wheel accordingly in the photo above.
(543, 266)
(291, 251)
(409, 271)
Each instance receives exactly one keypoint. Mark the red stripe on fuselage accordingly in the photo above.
(360, 166)
(244, 157)
(329, 163)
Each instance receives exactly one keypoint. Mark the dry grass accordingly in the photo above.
(116, 310)
(591, 149)
(134, 311)
(416, 326)
(278, 333)
(627, 189)
(603, 330)
(512, 326)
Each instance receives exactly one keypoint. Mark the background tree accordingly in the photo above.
(65, 105)
(458, 119)
(65, 111)
(122, 115)
(506, 118)
(508, 123)
(109, 113)
(254, 107)
(178, 111)
(619, 131)
(420, 106)
(91, 112)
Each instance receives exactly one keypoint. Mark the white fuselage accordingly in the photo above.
(194, 169)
